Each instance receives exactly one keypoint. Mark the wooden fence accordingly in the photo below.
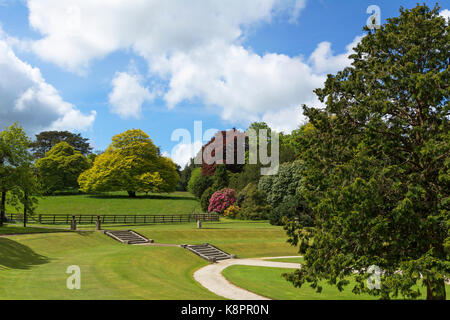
(115, 219)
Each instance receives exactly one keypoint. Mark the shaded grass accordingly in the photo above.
(269, 282)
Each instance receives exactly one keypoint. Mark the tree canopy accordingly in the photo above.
(16, 172)
(377, 165)
(131, 163)
(48, 139)
(61, 167)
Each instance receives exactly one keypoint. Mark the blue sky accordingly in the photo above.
(100, 68)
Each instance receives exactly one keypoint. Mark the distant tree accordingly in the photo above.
(124, 164)
(48, 139)
(377, 164)
(60, 168)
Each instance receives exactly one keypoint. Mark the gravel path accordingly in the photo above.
(212, 279)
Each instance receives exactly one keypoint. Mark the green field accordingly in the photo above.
(33, 266)
(117, 203)
(268, 282)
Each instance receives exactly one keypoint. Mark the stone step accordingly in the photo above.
(128, 237)
(208, 252)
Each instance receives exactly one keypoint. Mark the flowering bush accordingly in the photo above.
(221, 200)
(232, 211)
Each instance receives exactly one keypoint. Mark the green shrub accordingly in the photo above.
(198, 183)
(206, 196)
(254, 204)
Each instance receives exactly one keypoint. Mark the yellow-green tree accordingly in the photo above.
(131, 163)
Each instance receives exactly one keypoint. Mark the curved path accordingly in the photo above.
(212, 279)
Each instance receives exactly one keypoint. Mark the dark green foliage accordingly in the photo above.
(200, 185)
(48, 139)
(292, 208)
(204, 200)
(377, 165)
(254, 205)
(220, 178)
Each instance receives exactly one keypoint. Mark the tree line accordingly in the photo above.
(62, 161)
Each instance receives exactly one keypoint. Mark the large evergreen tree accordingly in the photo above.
(377, 167)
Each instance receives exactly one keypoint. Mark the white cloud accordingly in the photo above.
(244, 85)
(128, 95)
(195, 46)
(182, 153)
(445, 13)
(78, 31)
(324, 61)
(27, 98)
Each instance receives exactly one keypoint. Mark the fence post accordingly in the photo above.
(73, 225)
(98, 225)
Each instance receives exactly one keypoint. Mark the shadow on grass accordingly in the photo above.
(14, 255)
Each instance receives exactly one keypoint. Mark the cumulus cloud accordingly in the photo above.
(78, 31)
(128, 95)
(323, 59)
(195, 47)
(445, 13)
(182, 153)
(27, 98)
(242, 84)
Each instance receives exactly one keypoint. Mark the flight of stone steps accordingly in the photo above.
(128, 237)
(209, 252)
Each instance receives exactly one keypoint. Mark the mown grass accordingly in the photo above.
(117, 203)
(34, 267)
(11, 229)
(246, 239)
(269, 283)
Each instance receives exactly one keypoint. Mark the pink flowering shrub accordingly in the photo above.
(221, 200)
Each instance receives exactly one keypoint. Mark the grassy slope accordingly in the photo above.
(34, 266)
(268, 282)
(117, 203)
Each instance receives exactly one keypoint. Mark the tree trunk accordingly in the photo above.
(3, 208)
(132, 194)
(436, 290)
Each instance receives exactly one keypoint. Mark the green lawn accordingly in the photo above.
(268, 282)
(244, 238)
(34, 267)
(118, 203)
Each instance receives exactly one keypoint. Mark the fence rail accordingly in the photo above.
(114, 219)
